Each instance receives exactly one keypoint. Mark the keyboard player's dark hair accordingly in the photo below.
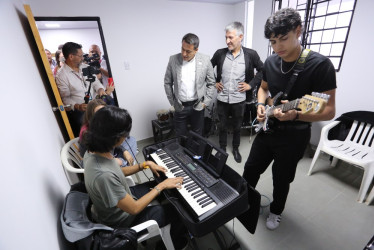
(108, 127)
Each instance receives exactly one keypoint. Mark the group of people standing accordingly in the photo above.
(74, 87)
(190, 84)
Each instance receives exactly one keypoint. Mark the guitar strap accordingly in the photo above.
(299, 67)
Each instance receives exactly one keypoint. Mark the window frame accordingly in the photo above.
(309, 8)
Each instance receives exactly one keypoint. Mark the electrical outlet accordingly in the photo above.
(127, 65)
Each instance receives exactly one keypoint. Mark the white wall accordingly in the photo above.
(145, 33)
(33, 184)
(51, 39)
(262, 10)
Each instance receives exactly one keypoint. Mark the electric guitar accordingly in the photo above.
(309, 103)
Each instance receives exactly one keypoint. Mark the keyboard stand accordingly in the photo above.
(219, 241)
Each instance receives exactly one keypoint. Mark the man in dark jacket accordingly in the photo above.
(234, 82)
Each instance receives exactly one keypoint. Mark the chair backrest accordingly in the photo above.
(360, 139)
(74, 220)
(70, 157)
(361, 133)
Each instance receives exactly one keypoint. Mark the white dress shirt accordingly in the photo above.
(187, 90)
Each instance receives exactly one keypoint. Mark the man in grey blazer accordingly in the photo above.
(189, 85)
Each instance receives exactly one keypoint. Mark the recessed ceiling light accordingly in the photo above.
(52, 25)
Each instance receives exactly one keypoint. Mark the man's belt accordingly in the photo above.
(189, 103)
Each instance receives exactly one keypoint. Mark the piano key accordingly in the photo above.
(202, 198)
(190, 184)
(194, 188)
(206, 204)
(196, 192)
(190, 188)
(198, 195)
(185, 182)
(205, 200)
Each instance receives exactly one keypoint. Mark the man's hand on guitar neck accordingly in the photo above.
(289, 115)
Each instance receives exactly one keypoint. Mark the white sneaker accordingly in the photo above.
(273, 220)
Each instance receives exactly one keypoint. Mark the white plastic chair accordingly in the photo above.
(356, 149)
(72, 161)
(76, 225)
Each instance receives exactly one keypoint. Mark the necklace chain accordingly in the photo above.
(281, 66)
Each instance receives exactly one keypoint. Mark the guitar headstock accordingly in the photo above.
(313, 103)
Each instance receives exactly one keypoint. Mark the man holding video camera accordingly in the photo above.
(77, 84)
(94, 59)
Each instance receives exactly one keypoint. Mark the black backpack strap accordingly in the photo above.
(299, 67)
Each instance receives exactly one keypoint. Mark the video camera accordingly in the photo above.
(90, 71)
(93, 60)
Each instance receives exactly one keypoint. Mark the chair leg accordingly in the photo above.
(137, 178)
(370, 197)
(334, 162)
(316, 154)
(166, 238)
(366, 181)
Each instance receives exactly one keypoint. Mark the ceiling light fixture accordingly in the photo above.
(52, 25)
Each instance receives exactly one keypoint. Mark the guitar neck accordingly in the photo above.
(284, 107)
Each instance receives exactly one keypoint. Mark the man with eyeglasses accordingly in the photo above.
(189, 85)
(73, 86)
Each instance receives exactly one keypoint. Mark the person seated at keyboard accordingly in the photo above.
(125, 153)
(115, 204)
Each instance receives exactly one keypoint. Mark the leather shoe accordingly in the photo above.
(237, 156)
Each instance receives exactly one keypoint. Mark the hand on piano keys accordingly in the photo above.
(154, 167)
(171, 183)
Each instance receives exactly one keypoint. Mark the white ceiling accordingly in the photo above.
(215, 1)
(93, 24)
(67, 25)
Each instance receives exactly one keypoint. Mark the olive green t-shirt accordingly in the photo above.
(106, 184)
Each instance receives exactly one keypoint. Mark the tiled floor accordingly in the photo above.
(321, 211)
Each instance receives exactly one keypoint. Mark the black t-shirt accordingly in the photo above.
(318, 76)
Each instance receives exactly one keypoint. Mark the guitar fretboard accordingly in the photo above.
(284, 107)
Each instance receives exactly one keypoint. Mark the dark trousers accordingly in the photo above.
(236, 110)
(162, 214)
(75, 120)
(286, 148)
(188, 116)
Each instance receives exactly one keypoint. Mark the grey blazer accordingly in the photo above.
(204, 80)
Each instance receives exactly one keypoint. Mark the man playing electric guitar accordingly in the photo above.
(291, 130)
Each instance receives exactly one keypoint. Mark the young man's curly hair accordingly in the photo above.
(282, 22)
